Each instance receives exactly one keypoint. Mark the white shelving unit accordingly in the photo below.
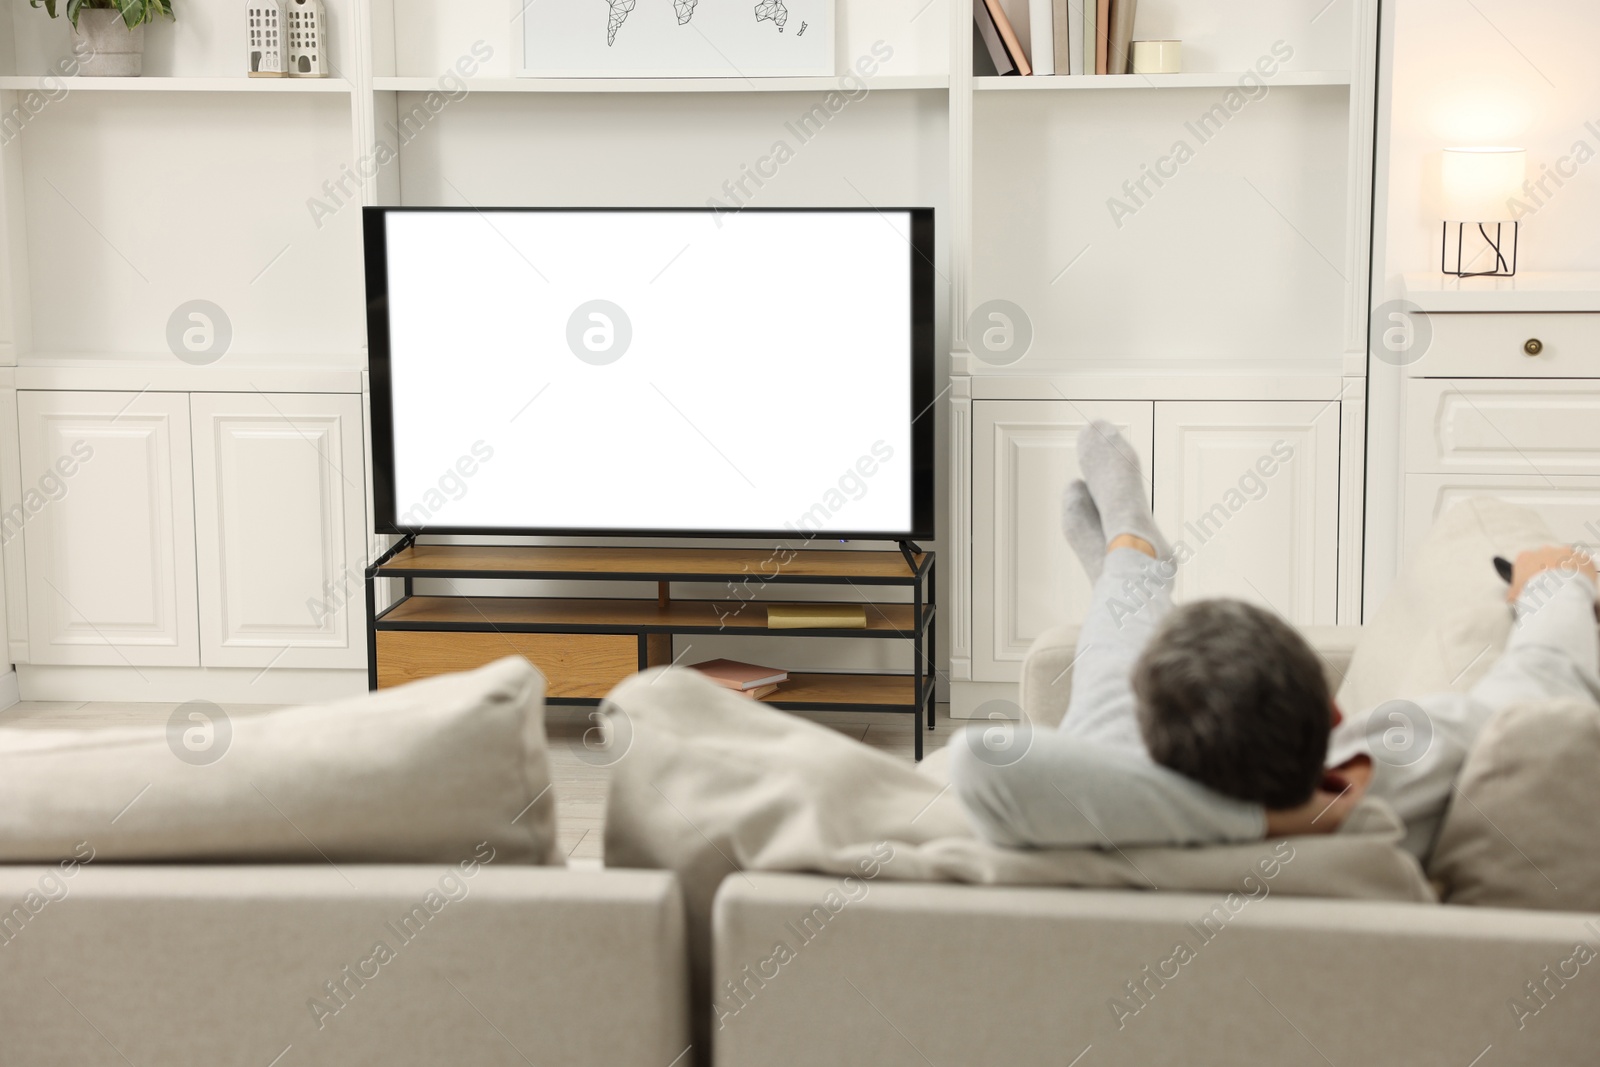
(664, 85)
(1209, 80)
(1190, 252)
(122, 202)
(49, 84)
(1530, 290)
(1240, 281)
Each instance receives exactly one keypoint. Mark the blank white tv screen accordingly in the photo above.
(649, 371)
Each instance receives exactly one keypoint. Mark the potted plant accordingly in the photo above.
(109, 34)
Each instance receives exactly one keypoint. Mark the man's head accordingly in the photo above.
(1232, 697)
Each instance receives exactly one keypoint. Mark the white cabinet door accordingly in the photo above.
(1571, 505)
(1025, 579)
(108, 528)
(279, 518)
(1252, 490)
(1495, 426)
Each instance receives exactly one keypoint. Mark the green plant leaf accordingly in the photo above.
(133, 12)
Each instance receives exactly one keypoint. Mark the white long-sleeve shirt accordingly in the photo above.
(1092, 784)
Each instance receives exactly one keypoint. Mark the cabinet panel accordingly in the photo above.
(1025, 578)
(1571, 505)
(1485, 426)
(1252, 489)
(279, 510)
(108, 528)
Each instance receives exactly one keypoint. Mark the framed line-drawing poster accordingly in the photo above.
(676, 38)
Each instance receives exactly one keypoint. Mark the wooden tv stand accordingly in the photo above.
(586, 645)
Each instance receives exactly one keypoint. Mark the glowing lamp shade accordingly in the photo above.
(1479, 183)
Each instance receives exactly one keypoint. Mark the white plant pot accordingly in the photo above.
(107, 46)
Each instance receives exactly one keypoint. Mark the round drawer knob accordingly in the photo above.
(1533, 346)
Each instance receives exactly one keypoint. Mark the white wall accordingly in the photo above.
(1490, 73)
(1048, 165)
(149, 204)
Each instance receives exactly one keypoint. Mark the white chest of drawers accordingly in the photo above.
(1502, 398)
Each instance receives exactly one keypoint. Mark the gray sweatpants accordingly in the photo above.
(1091, 782)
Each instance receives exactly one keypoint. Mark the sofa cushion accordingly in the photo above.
(1015, 977)
(462, 964)
(420, 773)
(1445, 621)
(1520, 832)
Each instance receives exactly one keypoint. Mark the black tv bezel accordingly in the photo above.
(920, 249)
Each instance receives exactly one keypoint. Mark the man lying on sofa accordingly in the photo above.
(1213, 722)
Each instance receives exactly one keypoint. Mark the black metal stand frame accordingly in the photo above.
(1502, 267)
(921, 577)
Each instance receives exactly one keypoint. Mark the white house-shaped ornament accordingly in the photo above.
(268, 56)
(308, 39)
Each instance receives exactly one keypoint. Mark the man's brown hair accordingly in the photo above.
(1232, 697)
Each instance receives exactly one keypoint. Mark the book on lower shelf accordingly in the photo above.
(1089, 38)
(1064, 37)
(816, 617)
(1067, 27)
(992, 59)
(742, 677)
(1102, 35)
(1119, 42)
(1008, 36)
(1042, 37)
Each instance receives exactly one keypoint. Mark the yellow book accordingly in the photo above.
(816, 617)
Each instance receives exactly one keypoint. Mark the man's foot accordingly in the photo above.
(1111, 469)
(1080, 521)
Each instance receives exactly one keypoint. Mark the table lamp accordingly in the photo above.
(1479, 185)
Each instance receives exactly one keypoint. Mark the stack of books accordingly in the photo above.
(746, 678)
(1064, 37)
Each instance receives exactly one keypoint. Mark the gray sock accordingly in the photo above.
(1111, 468)
(1080, 521)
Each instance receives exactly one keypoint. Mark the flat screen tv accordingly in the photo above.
(646, 372)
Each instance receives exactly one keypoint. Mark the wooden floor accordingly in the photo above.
(580, 787)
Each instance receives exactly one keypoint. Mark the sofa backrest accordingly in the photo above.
(1046, 682)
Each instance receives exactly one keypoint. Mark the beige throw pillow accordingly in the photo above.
(1445, 621)
(1522, 831)
(422, 773)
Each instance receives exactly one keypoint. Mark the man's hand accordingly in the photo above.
(1336, 797)
(1536, 561)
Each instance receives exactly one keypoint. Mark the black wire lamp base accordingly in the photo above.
(1505, 261)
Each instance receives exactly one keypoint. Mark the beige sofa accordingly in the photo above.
(919, 974)
(262, 966)
(258, 966)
